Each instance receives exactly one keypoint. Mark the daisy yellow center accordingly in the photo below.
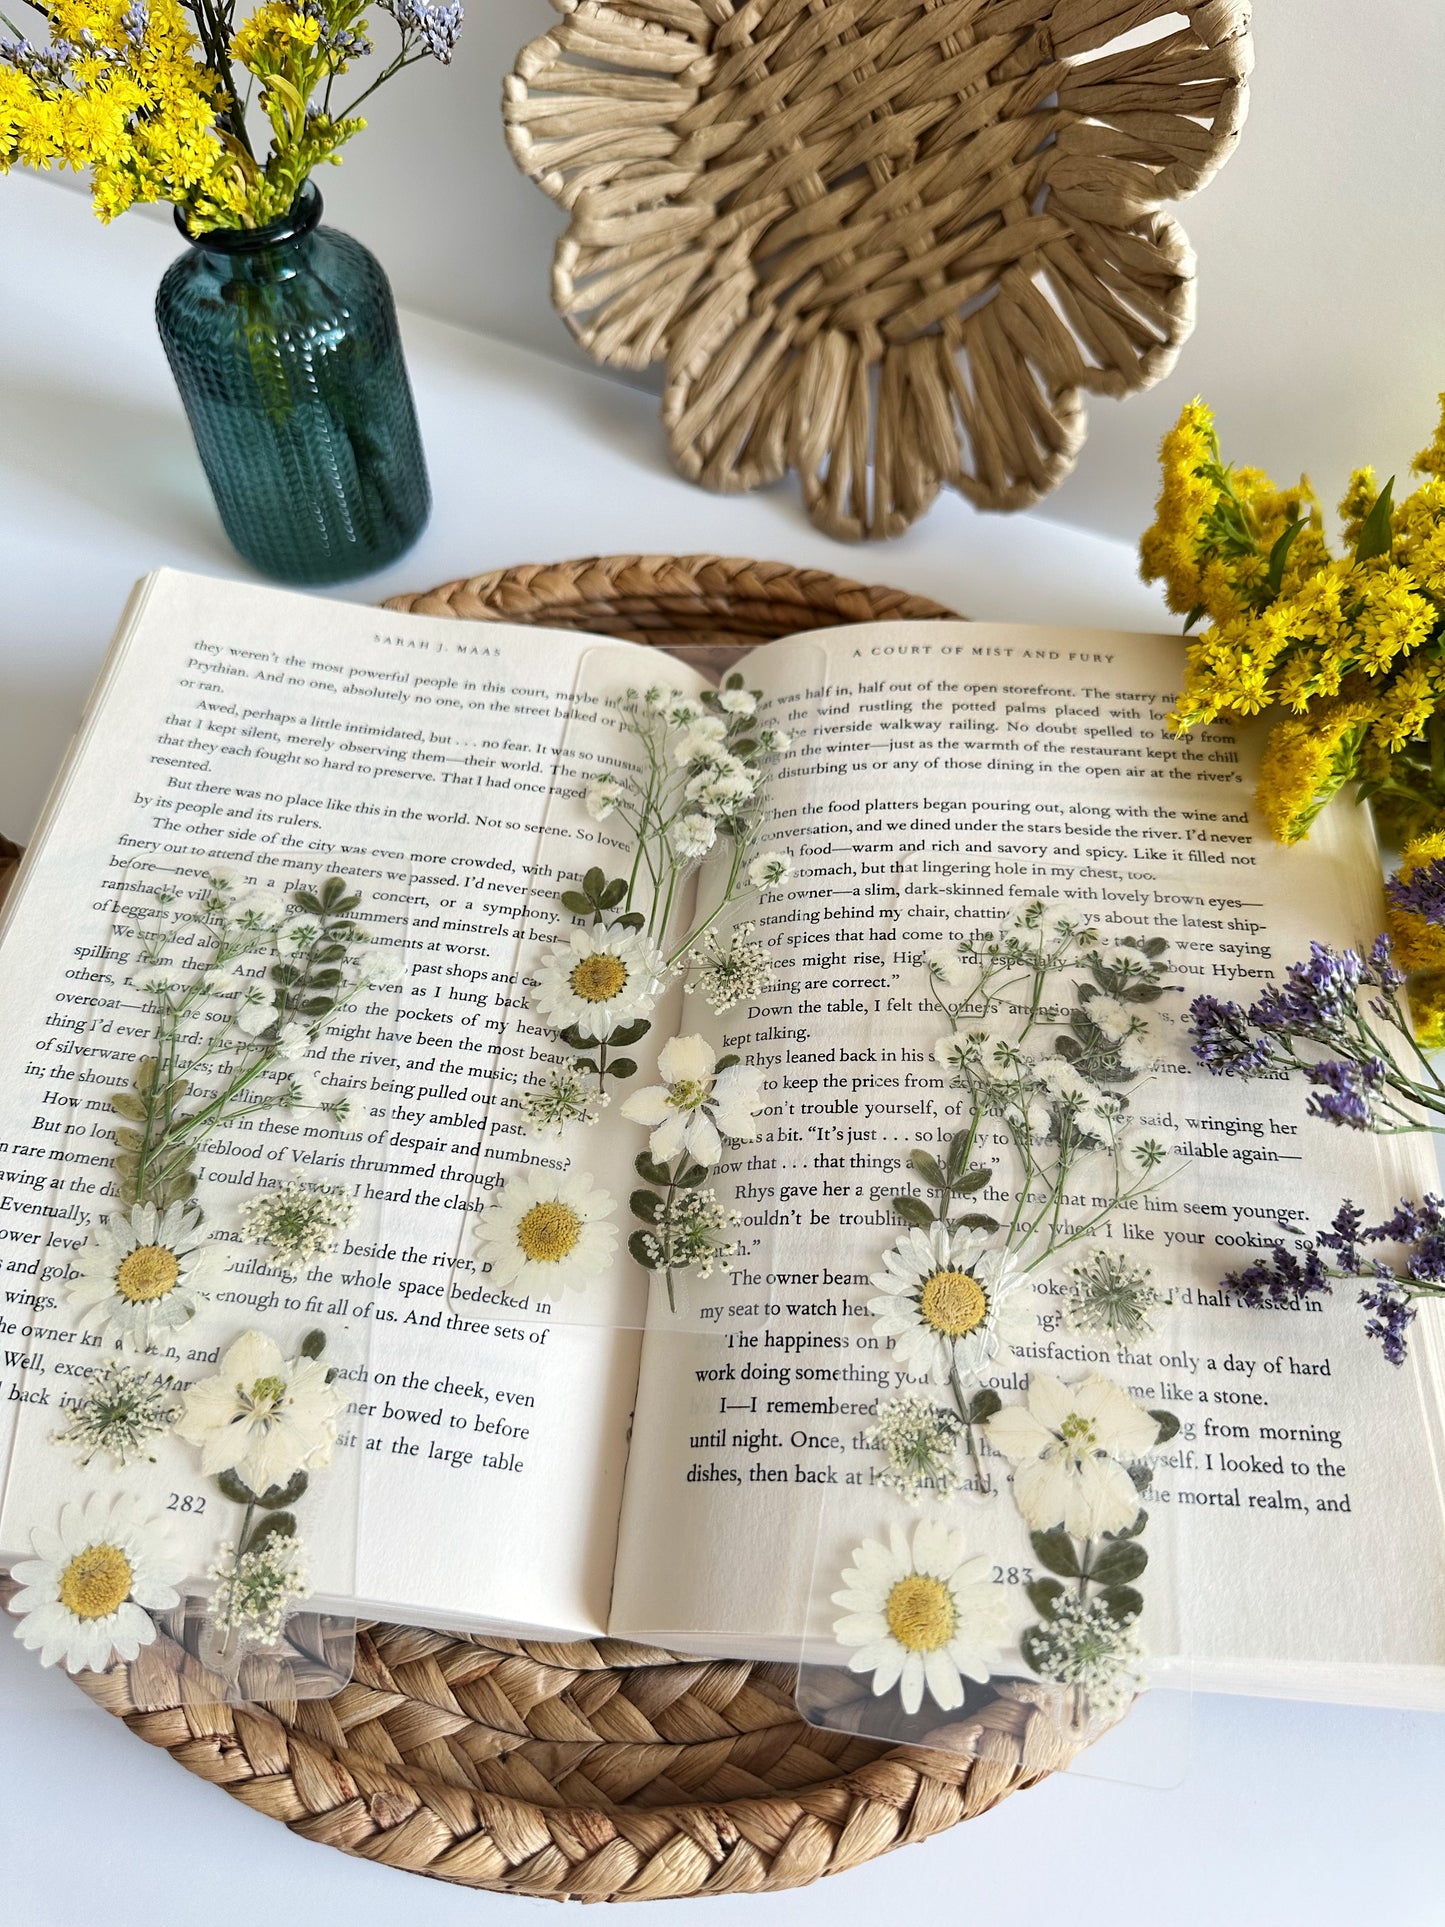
(597, 978)
(548, 1232)
(146, 1273)
(920, 1613)
(96, 1582)
(954, 1303)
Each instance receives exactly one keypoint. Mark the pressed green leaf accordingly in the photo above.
(630, 1033)
(1115, 1564)
(913, 1211)
(929, 1169)
(973, 1179)
(622, 1067)
(235, 1488)
(1122, 1602)
(645, 1205)
(1279, 555)
(1055, 1551)
(574, 901)
(1132, 1531)
(593, 884)
(726, 1063)
(983, 1405)
(588, 1064)
(745, 747)
(574, 1040)
(283, 1523)
(692, 1177)
(309, 902)
(129, 1140)
(634, 920)
(1168, 1425)
(1376, 532)
(649, 1168)
(276, 1496)
(1155, 946)
(613, 894)
(645, 1250)
(1044, 1594)
(734, 680)
(144, 1075)
(313, 1344)
(1033, 1654)
(975, 1221)
(129, 1105)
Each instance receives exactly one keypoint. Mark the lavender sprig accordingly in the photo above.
(1391, 1290)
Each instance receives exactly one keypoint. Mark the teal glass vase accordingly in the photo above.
(284, 345)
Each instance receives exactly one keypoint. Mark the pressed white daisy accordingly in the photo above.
(949, 1304)
(700, 742)
(87, 1595)
(602, 798)
(143, 1272)
(920, 1616)
(737, 702)
(695, 1106)
(692, 835)
(547, 1230)
(770, 870)
(262, 1415)
(1070, 1447)
(299, 1221)
(598, 979)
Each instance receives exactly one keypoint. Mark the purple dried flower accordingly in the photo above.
(1348, 1085)
(1315, 996)
(1393, 1312)
(438, 27)
(1381, 966)
(1422, 892)
(1279, 1279)
(1223, 1040)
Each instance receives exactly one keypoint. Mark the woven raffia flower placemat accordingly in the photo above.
(597, 1770)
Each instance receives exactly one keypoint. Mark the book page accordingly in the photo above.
(432, 763)
(951, 772)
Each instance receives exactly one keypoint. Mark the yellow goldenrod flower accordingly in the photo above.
(1418, 944)
(1305, 762)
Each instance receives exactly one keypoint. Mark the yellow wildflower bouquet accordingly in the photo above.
(1351, 646)
(154, 98)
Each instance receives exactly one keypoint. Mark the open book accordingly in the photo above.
(659, 1480)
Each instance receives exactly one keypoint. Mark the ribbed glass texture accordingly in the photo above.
(284, 345)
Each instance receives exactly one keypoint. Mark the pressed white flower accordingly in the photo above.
(949, 1303)
(299, 1221)
(292, 1042)
(257, 909)
(1070, 1447)
(691, 1233)
(1083, 1645)
(252, 1593)
(772, 742)
(948, 967)
(598, 979)
(695, 1108)
(225, 983)
(547, 1230)
(377, 966)
(255, 1009)
(1110, 1296)
(721, 781)
(1114, 1018)
(922, 1616)
(692, 835)
(919, 1441)
(737, 702)
(222, 877)
(123, 1409)
(567, 1097)
(700, 742)
(143, 1272)
(602, 798)
(88, 1594)
(302, 1092)
(262, 1415)
(683, 710)
(732, 972)
(770, 870)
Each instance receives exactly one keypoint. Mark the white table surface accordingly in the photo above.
(1286, 1813)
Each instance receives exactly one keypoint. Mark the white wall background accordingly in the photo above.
(1321, 334)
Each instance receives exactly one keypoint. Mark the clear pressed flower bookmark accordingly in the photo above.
(1045, 1625)
(184, 1485)
(617, 1183)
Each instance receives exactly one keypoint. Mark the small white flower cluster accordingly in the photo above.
(730, 973)
(1109, 1295)
(123, 1410)
(300, 1222)
(253, 1591)
(1084, 1646)
(919, 1440)
(567, 1097)
(691, 1233)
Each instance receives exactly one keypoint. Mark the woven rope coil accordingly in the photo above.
(890, 244)
(599, 1769)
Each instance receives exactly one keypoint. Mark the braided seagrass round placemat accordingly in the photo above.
(599, 1769)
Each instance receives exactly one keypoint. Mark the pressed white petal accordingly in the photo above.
(1042, 1491)
(669, 1137)
(1050, 1400)
(702, 1140)
(1104, 1499)
(686, 1060)
(941, 1674)
(648, 1106)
